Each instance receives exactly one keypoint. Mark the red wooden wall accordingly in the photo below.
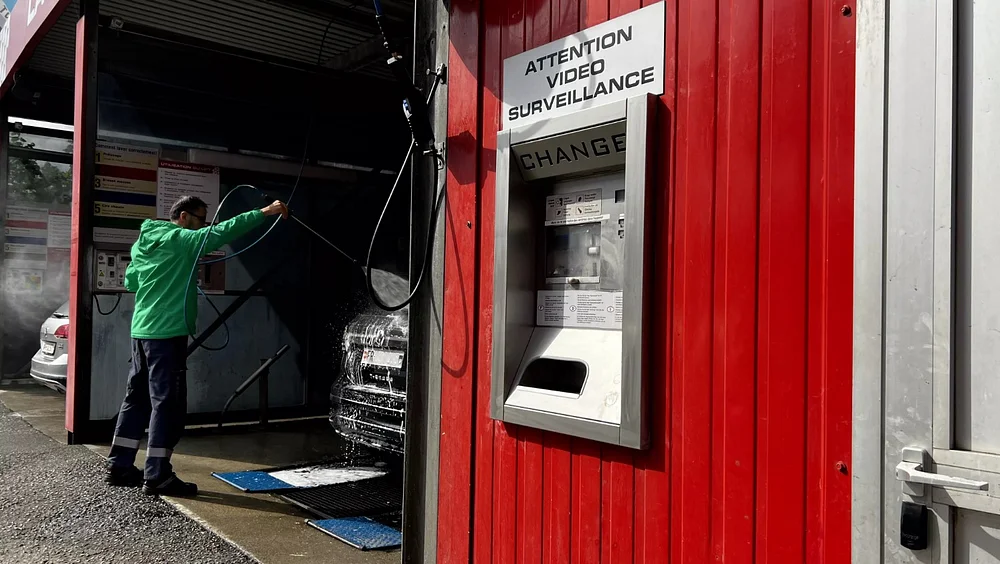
(751, 386)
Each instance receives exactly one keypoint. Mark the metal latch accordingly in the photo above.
(911, 471)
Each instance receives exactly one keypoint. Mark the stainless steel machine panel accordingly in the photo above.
(571, 273)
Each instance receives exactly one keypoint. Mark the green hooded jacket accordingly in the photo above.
(161, 263)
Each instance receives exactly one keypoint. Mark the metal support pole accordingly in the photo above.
(263, 400)
(82, 257)
(4, 175)
(423, 382)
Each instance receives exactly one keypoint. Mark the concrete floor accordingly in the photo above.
(272, 531)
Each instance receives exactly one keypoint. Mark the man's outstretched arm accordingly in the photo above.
(231, 229)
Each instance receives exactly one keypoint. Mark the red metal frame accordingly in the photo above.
(76, 260)
(750, 387)
(23, 36)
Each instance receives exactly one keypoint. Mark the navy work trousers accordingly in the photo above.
(156, 395)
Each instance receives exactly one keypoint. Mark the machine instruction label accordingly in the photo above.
(113, 235)
(384, 358)
(574, 208)
(580, 309)
(107, 271)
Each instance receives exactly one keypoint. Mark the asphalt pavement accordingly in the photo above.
(56, 509)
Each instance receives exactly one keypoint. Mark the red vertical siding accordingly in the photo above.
(750, 387)
(735, 291)
(458, 361)
(781, 354)
(831, 278)
(693, 278)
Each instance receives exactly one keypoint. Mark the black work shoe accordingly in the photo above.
(130, 477)
(171, 486)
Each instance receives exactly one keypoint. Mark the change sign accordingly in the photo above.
(612, 61)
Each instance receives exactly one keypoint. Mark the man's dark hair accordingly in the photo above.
(190, 204)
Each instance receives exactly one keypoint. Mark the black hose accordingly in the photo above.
(97, 303)
(432, 227)
(428, 249)
(194, 266)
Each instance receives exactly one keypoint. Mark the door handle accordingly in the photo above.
(911, 469)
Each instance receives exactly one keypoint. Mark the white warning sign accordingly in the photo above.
(570, 209)
(580, 309)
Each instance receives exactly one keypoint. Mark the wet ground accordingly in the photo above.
(55, 508)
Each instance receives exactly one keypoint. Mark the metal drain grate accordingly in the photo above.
(376, 496)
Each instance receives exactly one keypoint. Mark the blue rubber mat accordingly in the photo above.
(253, 481)
(360, 532)
(304, 477)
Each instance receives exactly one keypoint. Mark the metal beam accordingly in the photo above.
(361, 55)
(359, 15)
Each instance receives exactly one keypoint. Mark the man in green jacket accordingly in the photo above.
(156, 394)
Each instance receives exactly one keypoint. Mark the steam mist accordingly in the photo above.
(35, 260)
(31, 292)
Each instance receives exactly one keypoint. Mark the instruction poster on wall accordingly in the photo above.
(128, 156)
(25, 237)
(60, 230)
(24, 280)
(176, 180)
(580, 309)
(124, 187)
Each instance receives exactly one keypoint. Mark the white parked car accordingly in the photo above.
(48, 366)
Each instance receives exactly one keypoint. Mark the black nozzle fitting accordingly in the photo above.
(414, 106)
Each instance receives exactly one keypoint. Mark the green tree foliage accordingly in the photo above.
(35, 181)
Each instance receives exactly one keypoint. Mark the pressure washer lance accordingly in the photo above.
(327, 241)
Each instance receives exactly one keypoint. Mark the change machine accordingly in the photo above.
(573, 214)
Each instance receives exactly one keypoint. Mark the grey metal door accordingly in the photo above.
(927, 312)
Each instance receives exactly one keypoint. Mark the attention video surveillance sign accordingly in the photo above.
(611, 61)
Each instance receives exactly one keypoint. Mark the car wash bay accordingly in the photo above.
(295, 100)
